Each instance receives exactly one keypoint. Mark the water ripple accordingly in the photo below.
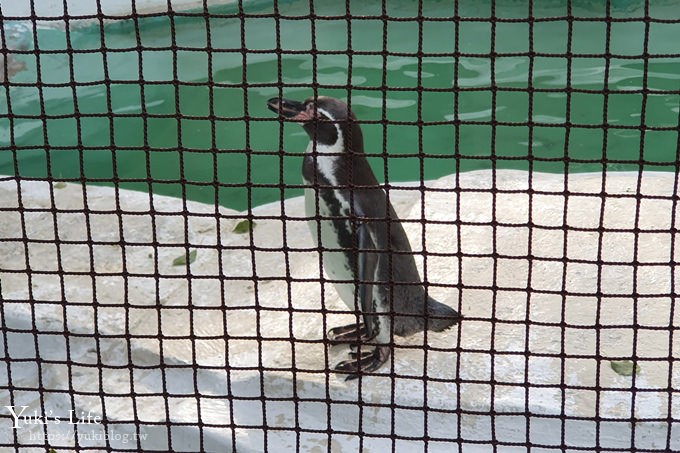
(377, 103)
(477, 73)
(477, 115)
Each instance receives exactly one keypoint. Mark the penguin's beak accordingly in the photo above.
(293, 110)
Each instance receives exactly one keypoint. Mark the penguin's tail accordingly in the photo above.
(439, 316)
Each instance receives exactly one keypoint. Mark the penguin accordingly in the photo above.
(365, 251)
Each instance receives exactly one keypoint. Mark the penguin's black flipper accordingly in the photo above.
(366, 265)
(370, 357)
(367, 260)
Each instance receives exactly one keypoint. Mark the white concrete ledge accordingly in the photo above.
(545, 344)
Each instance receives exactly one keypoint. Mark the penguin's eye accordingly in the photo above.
(316, 113)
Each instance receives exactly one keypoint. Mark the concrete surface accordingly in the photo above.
(121, 333)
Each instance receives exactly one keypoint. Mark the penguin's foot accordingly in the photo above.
(352, 333)
(364, 361)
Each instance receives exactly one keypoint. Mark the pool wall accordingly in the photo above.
(75, 8)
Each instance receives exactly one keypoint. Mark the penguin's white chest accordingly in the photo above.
(327, 219)
(325, 232)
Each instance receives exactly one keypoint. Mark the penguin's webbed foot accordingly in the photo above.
(352, 333)
(364, 361)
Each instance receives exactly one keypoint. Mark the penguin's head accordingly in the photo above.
(327, 121)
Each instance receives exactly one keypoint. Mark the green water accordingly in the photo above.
(123, 108)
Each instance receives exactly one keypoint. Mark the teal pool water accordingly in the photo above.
(142, 104)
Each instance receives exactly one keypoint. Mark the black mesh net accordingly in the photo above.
(160, 287)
